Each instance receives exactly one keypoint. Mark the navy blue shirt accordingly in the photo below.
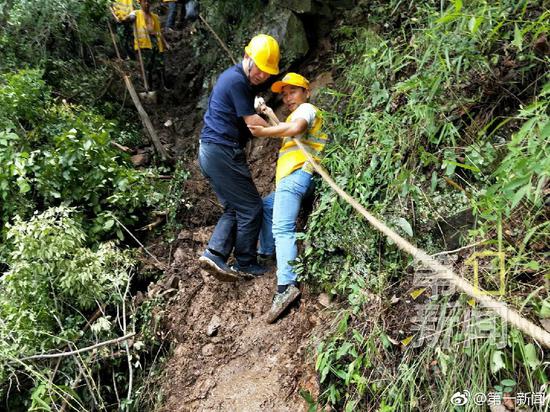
(231, 99)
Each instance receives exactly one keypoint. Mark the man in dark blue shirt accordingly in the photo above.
(223, 162)
(231, 100)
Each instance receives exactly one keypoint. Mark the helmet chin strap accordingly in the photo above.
(250, 63)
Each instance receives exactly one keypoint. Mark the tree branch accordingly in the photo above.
(75, 352)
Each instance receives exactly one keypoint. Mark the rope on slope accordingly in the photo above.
(440, 271)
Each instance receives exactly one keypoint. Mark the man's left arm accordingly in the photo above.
(254, 120)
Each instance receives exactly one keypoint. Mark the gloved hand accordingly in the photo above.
(258, 102)
(262, 108)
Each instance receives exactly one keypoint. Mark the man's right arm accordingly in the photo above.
(255, 120)
(244, 104)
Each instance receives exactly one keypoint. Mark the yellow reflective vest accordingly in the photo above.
(143, 34)
(122, 8)
(291, 158)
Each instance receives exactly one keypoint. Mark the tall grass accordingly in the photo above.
(439, 109)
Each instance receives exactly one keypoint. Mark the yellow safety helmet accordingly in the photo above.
(293, 79)
(264, 52)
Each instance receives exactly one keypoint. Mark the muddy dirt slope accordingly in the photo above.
(224, 357)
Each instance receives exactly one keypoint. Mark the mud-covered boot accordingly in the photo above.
(216, 266)
(250, 271)
(281, 301)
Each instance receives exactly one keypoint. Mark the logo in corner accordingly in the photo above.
(460, 398)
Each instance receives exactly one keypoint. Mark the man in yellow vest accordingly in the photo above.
(150, 41)
(294, 182)
(122, 11)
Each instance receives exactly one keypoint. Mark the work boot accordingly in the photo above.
(249, 271)
(266, 260)
(281, 301)
(216, 266)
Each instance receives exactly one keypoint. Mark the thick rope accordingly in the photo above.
(440, 271)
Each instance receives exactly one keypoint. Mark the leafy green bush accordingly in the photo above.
(525, 170)
(33, 31)
(53, 153)
(53, 277)
(23, 98)
(56, 157)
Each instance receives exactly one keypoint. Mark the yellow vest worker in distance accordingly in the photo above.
(122, 11)
(294, 179)
(150, 41)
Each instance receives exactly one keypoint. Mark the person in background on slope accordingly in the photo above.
(122, 12)
(223, 161)
(294, 183)
(171, 16)
(150, 41)
(190, 12)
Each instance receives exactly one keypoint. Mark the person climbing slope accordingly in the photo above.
(294, 182)
(223, 161)
(171, 16)
(150, 41)
(122, 12)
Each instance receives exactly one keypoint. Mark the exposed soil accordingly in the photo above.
(224, 357)
(245, 365)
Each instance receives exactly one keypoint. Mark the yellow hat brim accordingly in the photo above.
(267, 69)
(291, 79)
(277, 87)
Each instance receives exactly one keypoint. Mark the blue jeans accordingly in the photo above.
(227, 172)
(172, 12)
(279, 224)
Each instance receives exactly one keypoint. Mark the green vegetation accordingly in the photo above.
(57, 153)
(65, 192)
(439, 111)
(50, 270)
(440, 108)
(54, 282)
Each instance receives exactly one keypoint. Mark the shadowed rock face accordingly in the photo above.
(319, 7)
(289, 30)
(299, 6)
(294, 22)
(297, 26)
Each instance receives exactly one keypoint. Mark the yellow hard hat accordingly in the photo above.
(264, 52)
(293, 79)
